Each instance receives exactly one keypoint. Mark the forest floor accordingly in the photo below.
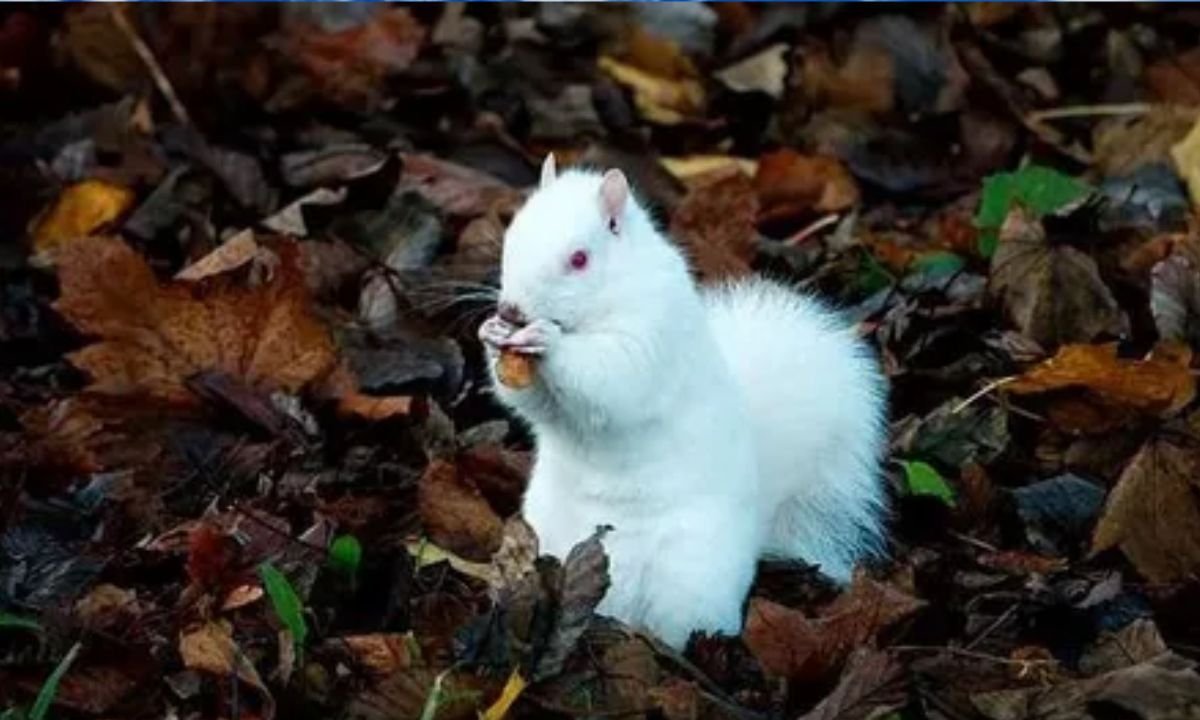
(249, 464)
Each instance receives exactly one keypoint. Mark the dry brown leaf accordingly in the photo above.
(1152, 514)
(80, 210)
(660, 100)
(789, 183)
(107, 605)
(1052, 293)
(871, 682)
(715, 226)
(210, 648)
(1176, 80)
(456, 515)
(153, 337)
(229, 255)
(656, 55)
(789, 644)
(1159, 385)
(381, 654)
(341, 385)
(455, 189)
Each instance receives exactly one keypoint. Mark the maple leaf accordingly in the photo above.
(1153, 515)
(153, 337)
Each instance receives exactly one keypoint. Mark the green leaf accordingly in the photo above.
(345, 555)
(15, 621)
(45, 696)
(1037, 188)
(923, 479)
(938, 263)
(287, 604)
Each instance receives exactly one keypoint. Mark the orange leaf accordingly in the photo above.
(789, 183)
(1159, 385)
(152, 337)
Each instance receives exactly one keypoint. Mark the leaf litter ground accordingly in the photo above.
(249, 467)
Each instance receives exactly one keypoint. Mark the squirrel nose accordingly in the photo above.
(510, 313)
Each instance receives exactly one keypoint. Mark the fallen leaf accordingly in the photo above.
(1058, 513)
(1137, 642)
(789, 644)
(764, 72)
(81, 210)
(923, 479)
(342, 386)
(1176, 80)
(456, 515)
(664, 101)
(789, 183)
(657, 55)
(455, 189)
(348, 54)
(1186, 155)
(229, 255)
(212, 555)
(585, 582)
(1159, 385)
(1020, 563)
(1153, 515)
(1124, 144)
(210, 648)
(701, 167)
(715, 227)
(1175, 299)
(1155, 690)
(870, 686)
(1052, 293)
(107, 605)
(153, 337)
(512, 690)
(381, 654)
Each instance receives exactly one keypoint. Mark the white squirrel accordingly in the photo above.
(708, 427)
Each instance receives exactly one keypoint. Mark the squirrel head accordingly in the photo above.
(577, 251)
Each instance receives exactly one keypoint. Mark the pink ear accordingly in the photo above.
(614, 193)
(549, 170)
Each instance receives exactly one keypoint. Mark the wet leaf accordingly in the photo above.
(585, 581)
(869, 686)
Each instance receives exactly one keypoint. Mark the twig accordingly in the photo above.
(1078, 111)
(984, 391)
(1004, 616)
(812, 229)
(156, 71)
(961, 652)
(987, 547)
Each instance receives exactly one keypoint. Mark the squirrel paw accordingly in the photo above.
(495, 332)
(533, 339)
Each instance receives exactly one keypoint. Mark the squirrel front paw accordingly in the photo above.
(495, 332)
(536, 338)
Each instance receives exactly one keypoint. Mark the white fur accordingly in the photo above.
(707, 428)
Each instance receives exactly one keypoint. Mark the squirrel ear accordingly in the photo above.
(614, 193)
(549, 170)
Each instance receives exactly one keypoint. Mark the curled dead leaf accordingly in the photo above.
(789, 183)
(456, 515)
(660, 100)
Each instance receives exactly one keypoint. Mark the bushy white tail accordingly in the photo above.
(817, 404)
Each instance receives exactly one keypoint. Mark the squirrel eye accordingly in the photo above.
(579, 260)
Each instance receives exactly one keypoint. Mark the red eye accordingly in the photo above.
(579, 259)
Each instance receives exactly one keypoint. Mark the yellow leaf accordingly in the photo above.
(692, 166)
(80, 211)
(512, 690)
(1186, 154)
(659, 100)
